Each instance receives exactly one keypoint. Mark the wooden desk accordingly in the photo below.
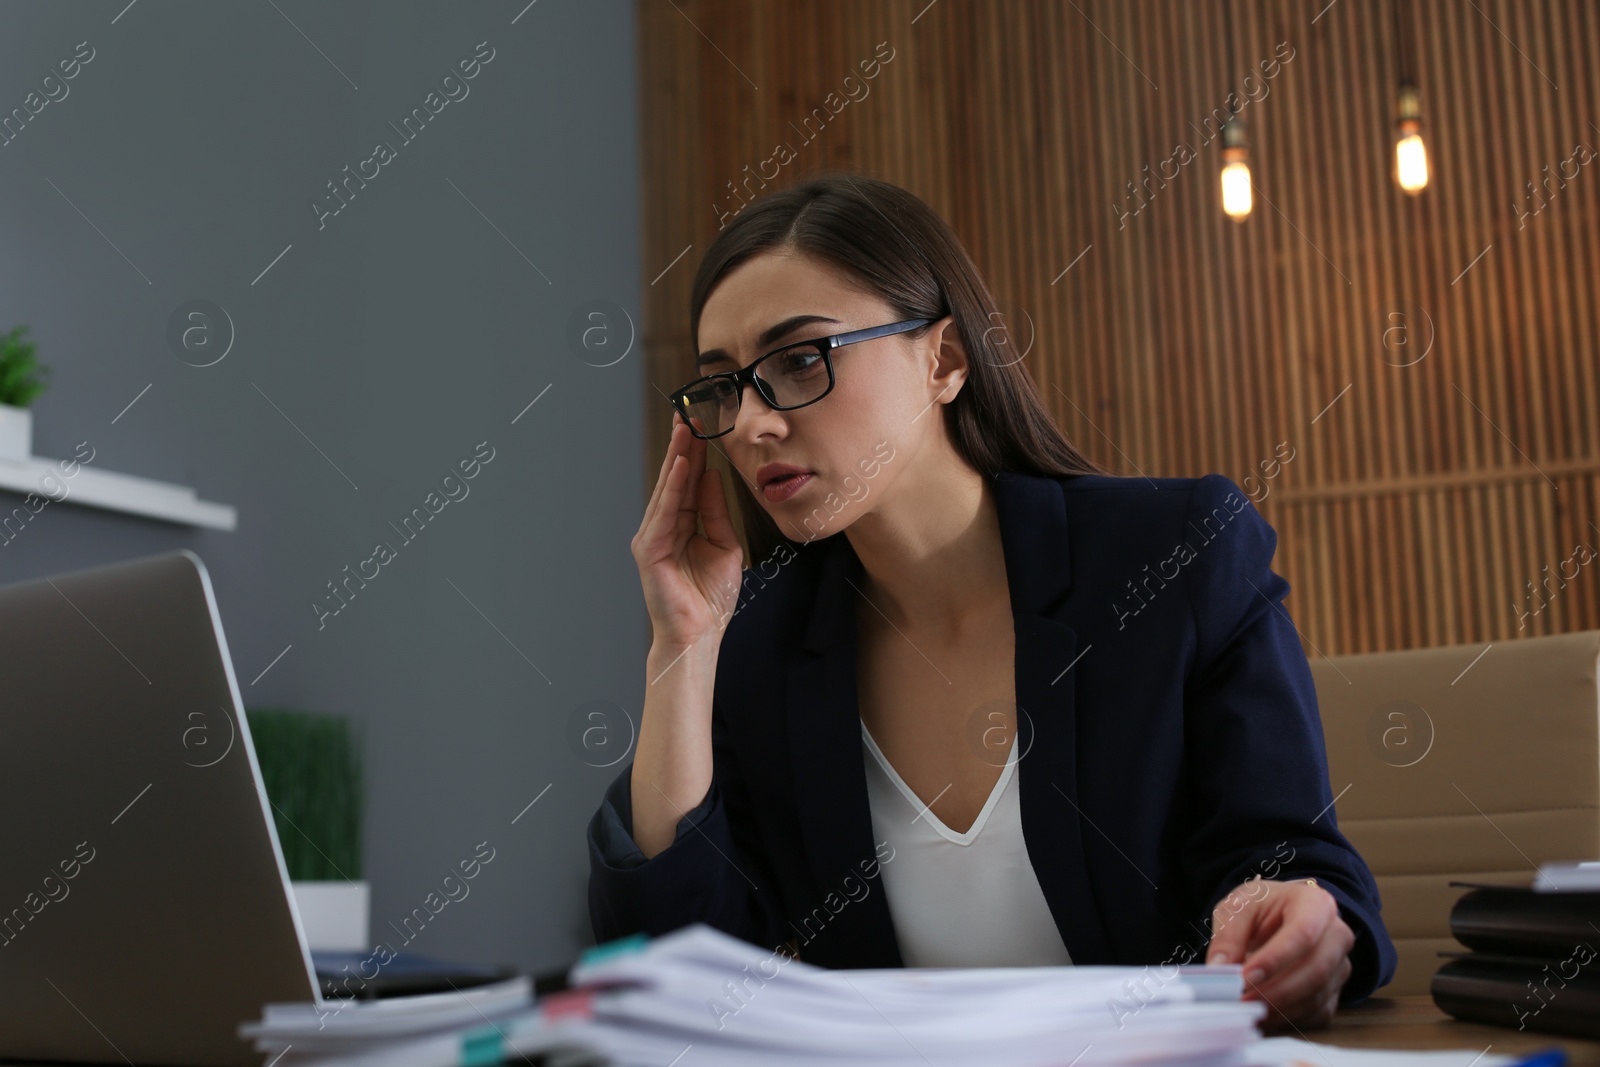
(1401, 1023)
(1416, 1023)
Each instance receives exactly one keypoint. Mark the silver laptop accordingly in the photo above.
(145, 909)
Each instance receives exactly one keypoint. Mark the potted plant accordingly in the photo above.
(21, 381)
(312, 774)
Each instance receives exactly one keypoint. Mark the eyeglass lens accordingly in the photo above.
(790, 378)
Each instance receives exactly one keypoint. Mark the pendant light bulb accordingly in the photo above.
(1236, 199)
(1410, 155)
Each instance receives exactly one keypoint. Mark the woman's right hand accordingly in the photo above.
(690, 579)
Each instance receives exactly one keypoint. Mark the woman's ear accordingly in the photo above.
(949, 371)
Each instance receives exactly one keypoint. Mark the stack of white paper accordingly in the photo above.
(716, 999)
(333, 1030)
(698, 998)
(1568, 877)
(1293, 1051)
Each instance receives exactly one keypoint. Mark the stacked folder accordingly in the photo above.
(699, 998)
(1534, 962)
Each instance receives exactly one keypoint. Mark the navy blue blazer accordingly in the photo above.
(1166, 712)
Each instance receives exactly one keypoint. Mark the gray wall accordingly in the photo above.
(396, 337)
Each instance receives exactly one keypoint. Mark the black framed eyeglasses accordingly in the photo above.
(790, 377)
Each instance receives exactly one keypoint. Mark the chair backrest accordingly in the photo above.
(1464, 763)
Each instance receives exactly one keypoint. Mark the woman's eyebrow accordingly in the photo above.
(768, 337)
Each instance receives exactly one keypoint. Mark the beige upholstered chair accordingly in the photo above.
(1448, 764)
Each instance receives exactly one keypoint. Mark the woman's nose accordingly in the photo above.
(754, 414)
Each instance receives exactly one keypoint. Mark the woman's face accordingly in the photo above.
(857, 439)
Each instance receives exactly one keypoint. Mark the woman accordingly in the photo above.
(1055, 715)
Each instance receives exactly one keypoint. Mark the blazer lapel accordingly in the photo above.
(830, 774)
(1033, 529)
(824, 729)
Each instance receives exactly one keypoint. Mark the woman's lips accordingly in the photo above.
(784, 488)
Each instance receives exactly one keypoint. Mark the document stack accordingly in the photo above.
(698, 997)
(1533, 964)
(421, 1029)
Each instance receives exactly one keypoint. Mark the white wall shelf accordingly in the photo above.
(98, 488)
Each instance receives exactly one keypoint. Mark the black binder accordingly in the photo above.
(1534, 964)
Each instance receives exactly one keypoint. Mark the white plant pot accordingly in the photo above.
(334, 915)
(16, 432)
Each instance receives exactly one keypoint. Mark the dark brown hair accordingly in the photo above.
(894, 245)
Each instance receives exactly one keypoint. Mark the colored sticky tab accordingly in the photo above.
(481, 1047)
(618, 947)
(571, 1004)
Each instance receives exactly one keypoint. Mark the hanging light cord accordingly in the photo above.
(1227, 18)
(1402, 45)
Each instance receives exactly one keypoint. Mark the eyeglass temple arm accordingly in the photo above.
(878, 331)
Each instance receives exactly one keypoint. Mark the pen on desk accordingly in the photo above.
(1550, 1057)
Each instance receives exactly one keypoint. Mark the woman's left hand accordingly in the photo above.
(1294, 945)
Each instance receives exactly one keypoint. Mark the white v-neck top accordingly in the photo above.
(960, 899)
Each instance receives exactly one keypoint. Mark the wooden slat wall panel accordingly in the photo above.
(1422, 499)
